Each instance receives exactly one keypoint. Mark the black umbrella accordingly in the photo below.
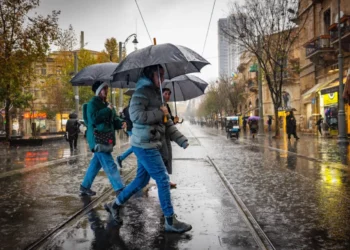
(176, 60)
(99, 72)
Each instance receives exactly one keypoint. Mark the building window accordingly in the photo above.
(43, 71)
(326, 21)
(37, 93)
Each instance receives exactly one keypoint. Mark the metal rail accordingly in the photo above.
(258, 234)
(76, 216)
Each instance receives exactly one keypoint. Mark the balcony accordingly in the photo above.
(252, 86)
(320, 51)
(344, 33)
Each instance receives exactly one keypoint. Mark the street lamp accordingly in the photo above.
(342, 136)
(122, 48)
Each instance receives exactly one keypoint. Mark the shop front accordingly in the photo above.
(61, 121)
(34, 121)
(329, 109)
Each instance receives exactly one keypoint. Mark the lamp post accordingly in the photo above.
(121, 48)
(342, 136)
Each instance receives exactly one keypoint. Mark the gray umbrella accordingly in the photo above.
(184, 88)
(99, 72)
(176, 60)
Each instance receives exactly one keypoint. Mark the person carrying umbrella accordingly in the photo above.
(291, 125)
(167, 152)
(147, 114)
(319, 124)
(101, 118)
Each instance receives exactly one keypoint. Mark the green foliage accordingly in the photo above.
(25, 38)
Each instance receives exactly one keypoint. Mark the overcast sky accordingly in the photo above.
(182, 22)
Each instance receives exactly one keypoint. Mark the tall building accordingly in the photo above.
(229, 52)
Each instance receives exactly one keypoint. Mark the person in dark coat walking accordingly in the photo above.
(319, 124)
(291, 125)
(129, 126)
(269, 122)
(167, 151)
(72, 128)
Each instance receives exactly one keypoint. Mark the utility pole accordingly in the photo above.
(342, 135)
(261, 131)
(76, 89)
(120, 90)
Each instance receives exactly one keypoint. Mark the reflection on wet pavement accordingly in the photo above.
(299, 203)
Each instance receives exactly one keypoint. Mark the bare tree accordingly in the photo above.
(267, 29)
(231, 92)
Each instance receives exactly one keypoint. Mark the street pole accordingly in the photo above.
(120, 90)
(76, 89)
(342, 136)
(261, 116)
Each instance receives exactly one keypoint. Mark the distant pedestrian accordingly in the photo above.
(291, 125)
(125, 154)
(253, 126)
(72, 130)
(147, 114)
(269, 122)
(319, 124)
(102, 121)
(244, 124)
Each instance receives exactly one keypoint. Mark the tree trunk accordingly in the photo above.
(7, 118)
(61, 120)
(277, 134)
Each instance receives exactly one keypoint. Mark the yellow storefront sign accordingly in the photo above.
(330, 99)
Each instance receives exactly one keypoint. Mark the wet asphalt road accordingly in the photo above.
(300, 203)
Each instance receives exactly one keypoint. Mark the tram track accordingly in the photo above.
(258, 234)
(76, 216)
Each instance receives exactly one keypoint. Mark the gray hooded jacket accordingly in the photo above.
(148, 128)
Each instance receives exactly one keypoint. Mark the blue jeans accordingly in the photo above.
(128, 151)
(106, 161)
(149, 164)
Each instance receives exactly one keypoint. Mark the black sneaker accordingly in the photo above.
(175, 226)
(86, 191)
(119, 162)
(113, 209)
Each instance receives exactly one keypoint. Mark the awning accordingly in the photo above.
(332, 86)
(316, 88)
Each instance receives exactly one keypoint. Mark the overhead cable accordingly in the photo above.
(206, 37)
(144, 22)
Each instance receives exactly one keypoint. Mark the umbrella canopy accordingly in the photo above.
(253, 118)
(99, 72)
(185, 87)
(176, 60)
